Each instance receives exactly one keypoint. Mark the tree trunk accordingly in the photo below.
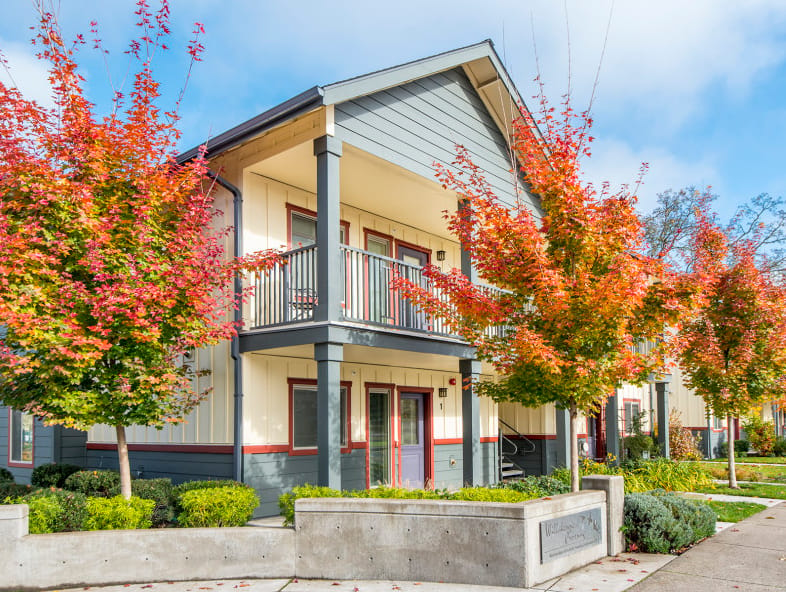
(125, 466)
(574, 448)
(732, 468)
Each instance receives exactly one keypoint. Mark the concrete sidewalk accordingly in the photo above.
(611, 574)
(749, 556)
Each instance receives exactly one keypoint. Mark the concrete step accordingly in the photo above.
(510, 473)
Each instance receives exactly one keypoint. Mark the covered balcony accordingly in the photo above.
(288, 294)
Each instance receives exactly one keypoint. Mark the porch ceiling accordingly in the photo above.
(368, 183)
(377, 356)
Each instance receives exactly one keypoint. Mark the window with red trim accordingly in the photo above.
(303, 416)
(632, 411)
(302, 226)
(20, 437)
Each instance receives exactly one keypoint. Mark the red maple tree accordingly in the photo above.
(577, 298)
(732, 345)
(111, 267)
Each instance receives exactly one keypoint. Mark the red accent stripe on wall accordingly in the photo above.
(265, 448)
(532, 436)
(203, 448)
(359, 445)
(442, 441)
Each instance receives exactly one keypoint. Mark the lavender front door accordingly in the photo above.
(413, 452)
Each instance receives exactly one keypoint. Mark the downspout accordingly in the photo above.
(237, 447)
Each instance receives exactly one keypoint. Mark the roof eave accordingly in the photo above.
(302, 103)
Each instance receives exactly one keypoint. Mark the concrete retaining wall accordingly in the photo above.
(335, 538)
(63, 560)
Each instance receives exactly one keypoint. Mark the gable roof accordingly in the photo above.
(480, 62)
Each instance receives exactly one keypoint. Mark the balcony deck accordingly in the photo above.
(287, 294)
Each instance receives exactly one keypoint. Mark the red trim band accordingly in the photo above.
(203, 448)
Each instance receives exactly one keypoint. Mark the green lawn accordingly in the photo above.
(748, 472)
(771, 491)
(767, 460)
(734, 511)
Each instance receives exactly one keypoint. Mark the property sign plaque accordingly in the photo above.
(565, 535)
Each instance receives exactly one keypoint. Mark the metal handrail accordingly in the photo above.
(519, 434)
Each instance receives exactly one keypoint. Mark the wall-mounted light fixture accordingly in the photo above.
(443, 392)
(440, 255)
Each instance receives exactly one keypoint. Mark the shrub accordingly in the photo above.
(161, 492)
(191, 485)
(661, 523)
(698, 516)
(54, 510)
(741, 448)
(663, 473)
(779, 448)
(118, 513)
(286, 501)
(44, 511)
(5, 475)
(761, 434)
(94, 483)
(395, 493)
(485, 494)
(683, 445)
(9, 489)
(538, 486)
(217, 506)
(52, 474)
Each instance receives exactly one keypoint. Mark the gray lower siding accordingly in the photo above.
(449, 465)
(272, 474)
(178, 466)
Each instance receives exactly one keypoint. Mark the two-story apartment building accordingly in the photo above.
(335, 378)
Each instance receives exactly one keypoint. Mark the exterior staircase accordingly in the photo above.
(509, 449)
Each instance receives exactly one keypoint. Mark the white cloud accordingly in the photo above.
(616, 162)
(26, 72)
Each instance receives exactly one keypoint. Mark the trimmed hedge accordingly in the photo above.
(5, 475)
(9, 489)
(54, 510)
(286, 502)
(660, 522)
(217, 506)
(94, 483)
(161, 491)
(52, 474)
(538, 485)
(118, 513)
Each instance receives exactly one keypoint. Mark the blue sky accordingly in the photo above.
(695, 88)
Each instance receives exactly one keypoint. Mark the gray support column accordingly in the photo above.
(613, 427)
(466, 260)
(662, 393)
(470, 417)
(327, 149)
(563, 437)
(329, 357)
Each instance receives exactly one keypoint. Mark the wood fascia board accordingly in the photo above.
(340, 92)
(304, 128)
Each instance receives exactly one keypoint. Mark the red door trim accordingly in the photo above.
(391, 388)
(428, 431)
